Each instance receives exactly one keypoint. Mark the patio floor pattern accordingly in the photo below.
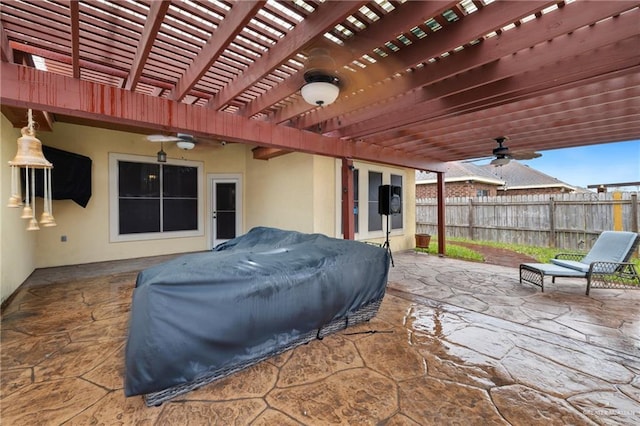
(454, 342)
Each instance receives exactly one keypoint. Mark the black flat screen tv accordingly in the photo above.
(70, 176)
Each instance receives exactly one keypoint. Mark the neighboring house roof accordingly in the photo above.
(513, 175)
(460, 171)
(518, 176)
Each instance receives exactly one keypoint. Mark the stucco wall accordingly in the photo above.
(280, 192)
(17, 245)
(324, 196)
(87, 229)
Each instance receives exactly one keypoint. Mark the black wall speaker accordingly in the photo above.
(389, 199)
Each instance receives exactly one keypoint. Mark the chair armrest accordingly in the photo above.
(569, 256)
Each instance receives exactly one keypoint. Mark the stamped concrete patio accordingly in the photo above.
(454, 343)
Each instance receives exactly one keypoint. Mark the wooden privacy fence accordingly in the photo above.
(564, 221)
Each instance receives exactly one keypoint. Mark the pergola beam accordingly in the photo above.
(30, 88)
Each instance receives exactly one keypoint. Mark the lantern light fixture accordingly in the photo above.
(161, 156)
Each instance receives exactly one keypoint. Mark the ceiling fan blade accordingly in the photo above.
(162, 138)
(500, 161)
(525, 155)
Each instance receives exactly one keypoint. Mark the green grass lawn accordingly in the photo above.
(455, 252)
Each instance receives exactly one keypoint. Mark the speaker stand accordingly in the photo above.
(386, 243)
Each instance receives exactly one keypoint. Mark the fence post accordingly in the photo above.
(552, 222)
(471, 219)
(634, 213)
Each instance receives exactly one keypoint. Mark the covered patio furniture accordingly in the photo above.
(605, 266)
(203, 316)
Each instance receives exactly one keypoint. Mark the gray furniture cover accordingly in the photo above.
(201, 316)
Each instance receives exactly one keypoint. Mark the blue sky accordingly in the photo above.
(594, 164)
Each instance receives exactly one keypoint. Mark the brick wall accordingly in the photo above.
(534, 191)
(464, 189)
(456, 189)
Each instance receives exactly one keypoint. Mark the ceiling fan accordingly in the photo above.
(183, 141)
(503, 155)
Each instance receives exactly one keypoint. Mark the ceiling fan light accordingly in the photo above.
(320, 93)
(186, 145)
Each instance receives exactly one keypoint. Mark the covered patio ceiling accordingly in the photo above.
(421, 82)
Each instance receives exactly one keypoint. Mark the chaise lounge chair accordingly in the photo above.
(605, 266)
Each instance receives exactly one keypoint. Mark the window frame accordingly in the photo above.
(402, 212)
(114, 205)
(363, 211)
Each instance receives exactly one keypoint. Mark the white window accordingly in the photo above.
(374, 218)
(397, 220)
(369, 223)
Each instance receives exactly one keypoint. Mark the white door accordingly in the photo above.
(225, 208)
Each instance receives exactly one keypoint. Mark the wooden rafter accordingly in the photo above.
(233, 23)
(482, 58)
(157, 10)
(6, 52)
(74, 14)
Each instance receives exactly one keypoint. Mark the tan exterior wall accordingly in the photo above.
(279, 192)
(87, 229)
(17, 245)
(325, 201)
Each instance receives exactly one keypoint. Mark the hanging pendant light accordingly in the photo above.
(30, 157)
(162, 156)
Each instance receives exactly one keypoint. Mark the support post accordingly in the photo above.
(441, 215)
(634, 219)
(348, 224)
